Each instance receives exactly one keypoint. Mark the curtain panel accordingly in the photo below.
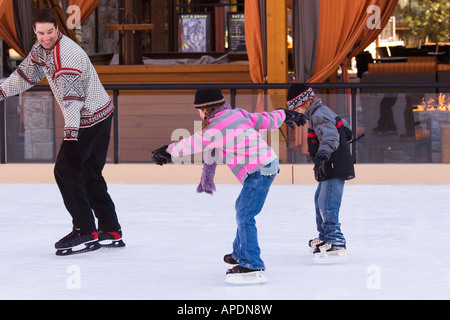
(7, 26)
(343, 31)
(23, 12)
(369, 35)
(254, 44)
(86, 7)
(328, 33)
(253, 41)
(305, 26)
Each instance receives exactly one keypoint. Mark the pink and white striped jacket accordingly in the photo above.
(234, 135)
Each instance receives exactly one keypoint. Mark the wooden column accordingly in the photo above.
(219, 19)
(131, 52)
(277, 59)
(159, 32)
(277, 52)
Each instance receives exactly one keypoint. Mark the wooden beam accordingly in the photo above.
(277, 52)
(131, 49)
(158, 37)
(277, 59)
(129, 27)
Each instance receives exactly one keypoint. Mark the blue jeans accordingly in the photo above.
(328, 200)
(248, 205)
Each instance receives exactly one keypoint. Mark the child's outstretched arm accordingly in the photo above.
(196, 143)
(274, 120)
(266, 120)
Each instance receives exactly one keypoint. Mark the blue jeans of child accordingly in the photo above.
(248, 205)
(328, 200)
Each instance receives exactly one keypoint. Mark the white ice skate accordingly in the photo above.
(330, 253)
(314, 243)
(242, 275)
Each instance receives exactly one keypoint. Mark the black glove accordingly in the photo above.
(320, 168)
(293, 116)
(160, 156)
(72, 154)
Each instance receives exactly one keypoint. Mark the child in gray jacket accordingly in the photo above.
(328, 137)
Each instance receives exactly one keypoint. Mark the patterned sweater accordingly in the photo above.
(234, 136)
(73, 80)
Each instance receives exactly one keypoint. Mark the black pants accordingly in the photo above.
(84, 190)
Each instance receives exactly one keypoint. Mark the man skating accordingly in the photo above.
(87, 110)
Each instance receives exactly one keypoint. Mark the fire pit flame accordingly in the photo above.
(442, 104)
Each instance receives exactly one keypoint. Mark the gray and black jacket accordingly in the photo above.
(328, 133)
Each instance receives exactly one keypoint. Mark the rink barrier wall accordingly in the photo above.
(190, 174)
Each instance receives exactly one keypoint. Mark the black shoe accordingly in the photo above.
(75, 238)
(241, 269)
(112, 239)
(230, 262)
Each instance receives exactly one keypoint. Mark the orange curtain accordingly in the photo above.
(369, 35)
(7, 26)
(343, 34)
(343, 24)
(86, 7)
(253, 41)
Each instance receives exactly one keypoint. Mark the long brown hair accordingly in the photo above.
(208, 112)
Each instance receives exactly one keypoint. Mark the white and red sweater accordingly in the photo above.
(73, 80)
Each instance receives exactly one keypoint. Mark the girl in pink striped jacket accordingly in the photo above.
(232, 136)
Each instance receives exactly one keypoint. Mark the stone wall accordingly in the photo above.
(39, 128)
(107, 40)
(438, 119)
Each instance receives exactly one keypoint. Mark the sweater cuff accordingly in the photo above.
(70, 134)
(2, 95)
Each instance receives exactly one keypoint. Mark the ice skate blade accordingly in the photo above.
(112, 243)
(326, 258)
(88, 247)
(257, 277)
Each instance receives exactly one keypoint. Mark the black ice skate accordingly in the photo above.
(330, 253)
(75, 243)
(111, 239)
(230, 262)
(243, 275)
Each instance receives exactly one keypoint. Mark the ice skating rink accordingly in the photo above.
(397, 241)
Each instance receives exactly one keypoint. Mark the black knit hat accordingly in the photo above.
(299, 94)
(208, 97)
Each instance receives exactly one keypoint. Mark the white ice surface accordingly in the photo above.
(397, 241)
